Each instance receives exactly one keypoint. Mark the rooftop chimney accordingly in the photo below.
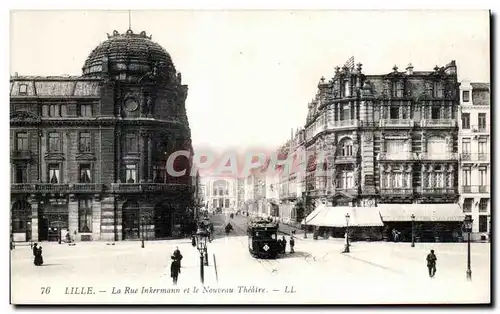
(409, 69)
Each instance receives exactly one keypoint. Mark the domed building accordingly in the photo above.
(89, 153)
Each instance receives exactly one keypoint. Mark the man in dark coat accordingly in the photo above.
(193, 240)
(431, 263)
(292, 244)
(34, 248)
(283, 243)
(175, 269)
(178, 255)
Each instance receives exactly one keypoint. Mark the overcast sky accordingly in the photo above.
(252, 73)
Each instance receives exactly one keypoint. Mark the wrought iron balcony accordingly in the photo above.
(87, 187)
(438, 123)
(40, 188)
(474, 157)
(149, 187)
(21, 154)
(443, 156)
(437, 190)
(396, 123)
(396, 156)
(396, 191)
(342, 124)
(56, 188)
(345, 159)
(475, 189)
(351, 190)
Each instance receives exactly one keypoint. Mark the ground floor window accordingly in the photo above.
(85, 215)
(20, 215)
(483, 223)
(226, 203)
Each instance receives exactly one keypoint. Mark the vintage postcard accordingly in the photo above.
(250, 157)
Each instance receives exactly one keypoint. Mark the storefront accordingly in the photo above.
(430, 222)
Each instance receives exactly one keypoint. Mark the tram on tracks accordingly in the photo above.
(263, 238)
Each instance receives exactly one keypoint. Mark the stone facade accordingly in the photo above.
(475, 156)
(89, 153)
(390, 138)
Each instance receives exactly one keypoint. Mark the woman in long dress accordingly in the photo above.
(38, 256)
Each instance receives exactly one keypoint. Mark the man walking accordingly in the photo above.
(431, 263)
(177, 255)
(175, 269)
(292, 244)
(283, 243)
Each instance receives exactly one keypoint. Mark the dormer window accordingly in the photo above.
(347, 90)
(23, 89)
(438, 89)
(397, 89)
(466, 96)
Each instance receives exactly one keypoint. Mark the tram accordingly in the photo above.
(263, 238)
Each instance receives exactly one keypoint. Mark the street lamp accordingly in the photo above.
(201, 245)
(346, 249)
(468, 228)
(142, 234)
(412, 230)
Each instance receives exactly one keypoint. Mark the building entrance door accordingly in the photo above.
(130, 221)
(163, 221)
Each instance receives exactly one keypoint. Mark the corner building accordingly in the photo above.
(89, 153)
(392, 148)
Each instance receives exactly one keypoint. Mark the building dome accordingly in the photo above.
(128, 56)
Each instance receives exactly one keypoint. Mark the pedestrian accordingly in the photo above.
(34, 248)
(38, 256)
(283, 242)
(193, 240)
(431, 263)
(292, 244)
(175, 269)
(178, 255)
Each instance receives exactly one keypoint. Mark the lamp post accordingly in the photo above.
(142, 233)
(468, 228)
(412, 230)
(201, 245)
(346, 249)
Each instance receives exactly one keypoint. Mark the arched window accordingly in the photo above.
(346, 148)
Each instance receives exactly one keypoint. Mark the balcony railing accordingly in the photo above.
(475, 189)
(344, 159)
(87, 187)
(342, 124)
(397, 156)
(474, 157)
(396, 122)
(40, 188)
(148, 187)
(436, 190)
(351, 191)
(21, 154)
(443, 156)
(438, 123)
(396, 191)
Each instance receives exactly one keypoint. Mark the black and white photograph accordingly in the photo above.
(255, 157)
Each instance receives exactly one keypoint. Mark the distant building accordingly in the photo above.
(475, 156)
(221, 193)
(89, 153)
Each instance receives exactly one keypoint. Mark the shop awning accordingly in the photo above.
(336, 217)
(313, 215)
(422, 212)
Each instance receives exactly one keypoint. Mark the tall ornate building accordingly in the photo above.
(89, 153)
(475, 157)
(390, 141)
